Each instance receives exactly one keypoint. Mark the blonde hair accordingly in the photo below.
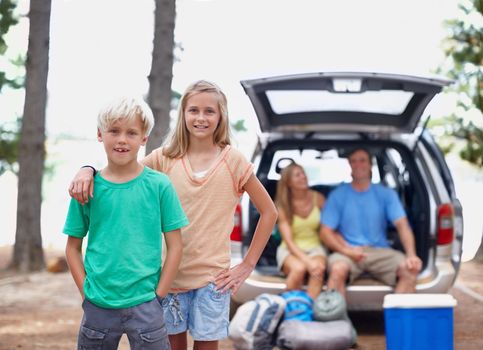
(128, 108)
(178, 142)
(283, 198)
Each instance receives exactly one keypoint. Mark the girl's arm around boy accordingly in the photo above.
(235, 276)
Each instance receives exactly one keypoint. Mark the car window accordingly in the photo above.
(440, 162)
(384, 101)
(325, 168)
(395, 170)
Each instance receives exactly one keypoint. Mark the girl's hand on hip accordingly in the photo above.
(233, 277)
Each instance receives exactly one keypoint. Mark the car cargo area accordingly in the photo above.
(326, 167)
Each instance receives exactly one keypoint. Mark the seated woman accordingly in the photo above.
(301, 251)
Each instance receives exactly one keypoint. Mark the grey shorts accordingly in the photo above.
(283, 253)
(143, 324)
(381, 263)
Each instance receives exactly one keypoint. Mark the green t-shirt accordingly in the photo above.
(124, 222)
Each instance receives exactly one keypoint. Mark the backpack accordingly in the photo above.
(333, 335)
(299, 306)
(330, 305)
(254, 323)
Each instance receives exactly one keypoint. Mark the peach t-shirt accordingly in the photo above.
(209, 203)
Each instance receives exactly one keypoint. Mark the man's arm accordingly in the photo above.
(407, 239)
(331, 217)
(73, 254)
(174, 252)
(335, 242)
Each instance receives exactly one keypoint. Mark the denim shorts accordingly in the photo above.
(203, 311)
(143, 324)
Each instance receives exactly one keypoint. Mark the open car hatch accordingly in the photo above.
(341, 102)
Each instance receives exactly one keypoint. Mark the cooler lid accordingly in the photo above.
(419, 301)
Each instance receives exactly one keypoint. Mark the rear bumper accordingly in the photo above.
(359, 297)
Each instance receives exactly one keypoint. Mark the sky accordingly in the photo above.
(102, 48)
(99, 49)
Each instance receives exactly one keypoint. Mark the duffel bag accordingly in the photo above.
(298, 335)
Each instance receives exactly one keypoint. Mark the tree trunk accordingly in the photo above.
(28, 253)
(161, 74)
(479, 252)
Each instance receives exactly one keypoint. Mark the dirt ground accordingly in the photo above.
(42, 311)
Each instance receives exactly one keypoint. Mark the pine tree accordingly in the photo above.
(9, 133)
(464, 64)
(28, 252)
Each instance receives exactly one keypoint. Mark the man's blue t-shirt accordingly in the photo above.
(362, 217)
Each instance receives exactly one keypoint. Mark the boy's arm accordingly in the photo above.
(174, 252)
(234, 277)
(73, 253)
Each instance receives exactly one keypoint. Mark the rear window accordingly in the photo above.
(389, 102)
(322, 168)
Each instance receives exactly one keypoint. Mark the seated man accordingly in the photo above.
(360, 211)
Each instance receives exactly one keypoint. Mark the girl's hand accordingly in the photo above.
(233, 278)
(82, 186)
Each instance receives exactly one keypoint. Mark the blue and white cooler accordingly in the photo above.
(419, 321)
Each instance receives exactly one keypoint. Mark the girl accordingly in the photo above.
(301, 252)
(209, 177)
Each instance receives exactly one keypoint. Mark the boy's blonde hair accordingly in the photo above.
(283, 198)
(126, 108)
(178, 142)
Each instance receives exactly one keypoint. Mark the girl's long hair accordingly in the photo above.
(178, 142)
(283, 198)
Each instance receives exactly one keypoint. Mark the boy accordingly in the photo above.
(121, 280)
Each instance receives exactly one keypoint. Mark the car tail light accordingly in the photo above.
(236, 234)
(445, 224)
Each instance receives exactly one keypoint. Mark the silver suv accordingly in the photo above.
(315, 120)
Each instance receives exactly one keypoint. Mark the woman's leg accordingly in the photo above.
(315, 283)
(295, 271)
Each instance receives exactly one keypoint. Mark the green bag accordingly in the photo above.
(330, 305)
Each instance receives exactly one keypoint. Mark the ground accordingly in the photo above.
(42, 311)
